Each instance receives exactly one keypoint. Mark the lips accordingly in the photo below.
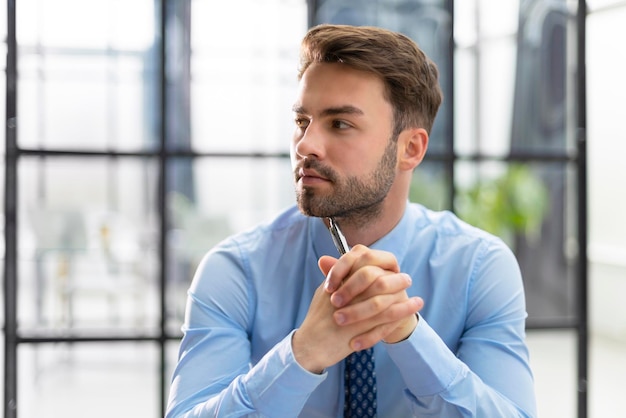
(308, 173)
(307, 176)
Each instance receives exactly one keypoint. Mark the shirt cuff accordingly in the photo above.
(287, 386)
(427, 365)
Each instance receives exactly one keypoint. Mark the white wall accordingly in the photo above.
(606, 90)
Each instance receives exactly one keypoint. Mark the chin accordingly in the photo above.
(307, 211)
(309, 208)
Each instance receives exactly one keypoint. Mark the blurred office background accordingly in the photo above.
(141, 132)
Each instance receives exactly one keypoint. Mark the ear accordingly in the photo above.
(412, 145)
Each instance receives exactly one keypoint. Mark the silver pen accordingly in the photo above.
(338, 238)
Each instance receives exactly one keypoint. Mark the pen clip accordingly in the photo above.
(338, 238)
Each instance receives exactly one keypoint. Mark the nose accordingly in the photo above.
(309, 142)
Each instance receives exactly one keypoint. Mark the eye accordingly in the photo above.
(301, 122)
(340, 124)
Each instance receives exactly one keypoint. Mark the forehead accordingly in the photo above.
(334, 84)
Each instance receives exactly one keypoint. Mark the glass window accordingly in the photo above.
(85, 82)
(243, 74)
(94, 379)
(88, 250)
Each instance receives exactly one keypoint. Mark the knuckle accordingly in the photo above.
(371, 338)
(363, 253)
(384, 330)
(359, 248)
(381, 283)
(376, 304)
(368, 257)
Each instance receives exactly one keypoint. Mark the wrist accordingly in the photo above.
(403, 332)
(303, 355)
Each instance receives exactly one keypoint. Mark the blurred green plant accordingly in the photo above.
(514, 203)
(429, 187)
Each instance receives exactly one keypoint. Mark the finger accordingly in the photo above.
(358, 257)
(371, 338)
(357, 284)
(365, 256)
(370, 307)
(364, 310)
(390, 283)
(367, 282)
(325, 263)
(387, 323)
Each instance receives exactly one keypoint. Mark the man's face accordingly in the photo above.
(342, 154)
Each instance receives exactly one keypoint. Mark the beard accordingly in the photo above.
(353, 199)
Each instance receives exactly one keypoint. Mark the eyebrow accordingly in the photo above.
(331, 111)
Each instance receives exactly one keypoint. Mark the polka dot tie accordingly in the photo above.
(360, 386)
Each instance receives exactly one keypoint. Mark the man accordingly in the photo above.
(272, 313)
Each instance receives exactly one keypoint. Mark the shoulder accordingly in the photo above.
(239, 255)
(477, 263)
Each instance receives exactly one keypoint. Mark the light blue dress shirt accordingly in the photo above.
(466, 358)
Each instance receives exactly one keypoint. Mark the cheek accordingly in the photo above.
(364, 159)
(353, 165)
(360, 166)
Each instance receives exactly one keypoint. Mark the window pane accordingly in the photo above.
(514, 91)
(91, 91)
(95, 379)
(484, 96)
(87, 244)
(544, 101)
(243, 73)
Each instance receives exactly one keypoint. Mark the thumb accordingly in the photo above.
(325, 263)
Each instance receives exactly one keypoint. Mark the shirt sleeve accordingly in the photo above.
(487, 374)
(214, 376)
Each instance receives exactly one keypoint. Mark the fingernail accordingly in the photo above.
(408, 278)
(340, 318)
(357, 346)
(416, 301)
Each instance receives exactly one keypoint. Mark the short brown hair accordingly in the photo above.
(410, 77)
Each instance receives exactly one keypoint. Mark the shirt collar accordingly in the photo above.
(395, 242)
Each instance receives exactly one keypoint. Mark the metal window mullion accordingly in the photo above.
(450, 156)
(581, 133)
(10, 219)
(162, 19)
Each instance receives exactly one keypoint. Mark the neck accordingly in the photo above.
(369, 229)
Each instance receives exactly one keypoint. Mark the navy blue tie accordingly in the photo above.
(360, 385)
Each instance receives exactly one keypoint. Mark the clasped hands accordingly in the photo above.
(362, 301)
